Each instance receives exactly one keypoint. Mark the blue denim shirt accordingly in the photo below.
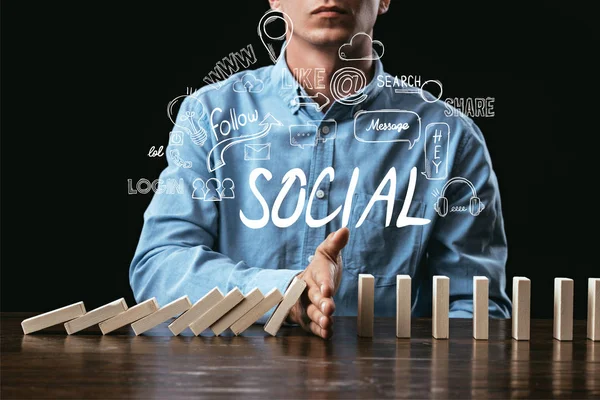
(251, 156)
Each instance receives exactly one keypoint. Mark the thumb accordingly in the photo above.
(334, 243)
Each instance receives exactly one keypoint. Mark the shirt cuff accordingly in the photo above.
(267, 279)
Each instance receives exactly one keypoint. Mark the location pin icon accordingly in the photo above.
(266, 38)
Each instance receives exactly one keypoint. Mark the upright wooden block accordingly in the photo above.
(521, 314)
(171, 310)
(593, 315)
(231, 299)
(291, 296)
(196, 311)
(51, 318)
(441, 307)
(273, 298)
(480, 307)
(366, 304)
(249, 301)
(563, 309)
(96, 316)
(403, 306)
(133, 314)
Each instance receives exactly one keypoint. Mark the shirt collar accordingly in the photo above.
(289, 89)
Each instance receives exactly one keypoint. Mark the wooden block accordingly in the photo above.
(403, 306)
(96, 316)
(231, 299)
(563, 309)
(249, 301)
(366, 304)
(52, 318)
(196, 311)
(133, 314)
(593, 316)
(480, 307)
(521, 315)
(171, 310)
(441, 307)
(273, 298)
(291, 296)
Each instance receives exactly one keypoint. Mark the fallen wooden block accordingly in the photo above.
(52, 318)
(96, 316)
(249, 301)
(563, 309)
(521, 315)
(403, 306)
(133, 314)
(593, 315)
(230, 300)
(441, 307)
(171, 310)
(366, 305)
(273, 298)
(196, 311)
(480, 308)
(291, 296)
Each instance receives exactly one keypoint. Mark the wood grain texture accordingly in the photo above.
(593, 313)
(250, 300)
(128, 317)
(96, 316)
(54, 317)
(480, 307)
(291, 296)
(166, 312)
(231, 299)
(272, 299)
(204, 304)
(50, 364)
(403, 306)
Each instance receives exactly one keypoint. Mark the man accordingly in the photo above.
(309, 168)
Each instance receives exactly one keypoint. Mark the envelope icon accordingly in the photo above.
(260, 151)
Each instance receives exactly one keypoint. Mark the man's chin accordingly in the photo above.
(330, 36)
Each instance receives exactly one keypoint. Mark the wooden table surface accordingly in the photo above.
(295, 365)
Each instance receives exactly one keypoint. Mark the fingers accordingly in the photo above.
(318, 318)
(334, 243)
(317, 330)
(322, 301)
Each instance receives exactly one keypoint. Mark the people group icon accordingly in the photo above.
(213, 189)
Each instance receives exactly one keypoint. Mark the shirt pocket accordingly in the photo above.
(381, 251)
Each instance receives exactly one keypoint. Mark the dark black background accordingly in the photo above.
(84, 95)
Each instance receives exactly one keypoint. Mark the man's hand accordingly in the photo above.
(314, 310)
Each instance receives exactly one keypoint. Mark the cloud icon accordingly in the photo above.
(346, 50)
(248, 83)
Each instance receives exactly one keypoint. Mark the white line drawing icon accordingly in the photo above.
(248, 83)
(347, 86)
(186, 120)
(174, 153)
(309, 101)
(346, 50)
(213, 189)
(420, 91)
(216, 161)
(435, 193)
(476, 206)
(228, 187)
(387, 126)
(268, 18)
(311, 133)
(176, 138)
(257, 152)
(437, 145)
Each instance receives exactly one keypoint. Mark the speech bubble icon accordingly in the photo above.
(387, 126)
(437, 144)
(303, 135)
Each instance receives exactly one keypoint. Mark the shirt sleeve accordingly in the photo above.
(176, 254)
(464, 245)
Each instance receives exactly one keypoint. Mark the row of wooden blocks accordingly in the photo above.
(215, 311)
(521, 315)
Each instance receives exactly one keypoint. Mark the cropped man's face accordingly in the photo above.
(331, 22)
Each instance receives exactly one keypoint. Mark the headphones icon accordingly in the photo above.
(475, 204)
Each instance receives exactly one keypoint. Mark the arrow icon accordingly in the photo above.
(212, 164)
(311, 101)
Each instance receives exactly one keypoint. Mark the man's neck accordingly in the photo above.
(314, 66)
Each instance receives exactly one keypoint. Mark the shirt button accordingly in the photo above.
(310, 258)
(320, 194)
(325, 130)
